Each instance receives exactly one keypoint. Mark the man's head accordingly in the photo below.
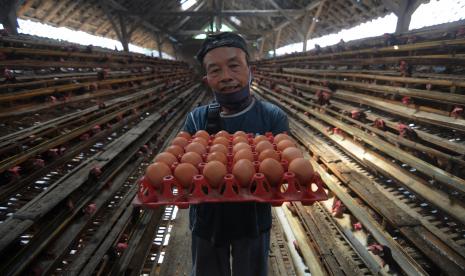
(225, 60)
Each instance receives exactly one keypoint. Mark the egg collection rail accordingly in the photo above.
(87, 208)
(362, 178)
(78, 126)
(383, 121)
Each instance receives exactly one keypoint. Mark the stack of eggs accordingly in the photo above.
(240, 154)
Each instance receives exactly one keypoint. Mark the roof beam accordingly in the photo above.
(309, 7)
(238, 13)
(291, 19)
(186, 18)
(312, 26)
(118, 7)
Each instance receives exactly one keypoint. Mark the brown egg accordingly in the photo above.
(217, 156)
(303, 170)
(272, 170)
(240, 133)
(221, 140)
(175, 150)
(191, 157)
(291, 153)
(155, 173)
(200, 140)
(237, 147)
(282, 136)
(260, 138)
(243, 154)
(203, 134)
(214, 172)
(223, 133)
(268, 153)
(240, 139)
(243, 171)
(180, 141)
(184, 173)
(263, 145)
(184, 134)
(165, 157)
(219, 147)
(284, 144)
(196, 147)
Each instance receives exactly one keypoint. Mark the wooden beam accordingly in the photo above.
(277, 39)
(52, 12)
(392, 6)
(8, 16)
(291, 19)
(312, 26)
(68, 12)
(186, 18)
(25, 7)
(309, 7)
(237, 13)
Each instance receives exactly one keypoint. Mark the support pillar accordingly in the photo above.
(8, 16)
(124, 38)
(159, 44)
(403, 11)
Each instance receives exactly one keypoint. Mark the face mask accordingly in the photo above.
(235, 100)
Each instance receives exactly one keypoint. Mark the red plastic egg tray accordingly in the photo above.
(170, 192)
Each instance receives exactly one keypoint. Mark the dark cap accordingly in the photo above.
(225, 39)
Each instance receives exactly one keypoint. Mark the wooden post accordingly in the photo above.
(124, 39)
(159, 44)
(404, 11)
(8, 16)
(312, 25)
(276, 41)
(262, 47)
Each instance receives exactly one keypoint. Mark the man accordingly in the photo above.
(238, 230)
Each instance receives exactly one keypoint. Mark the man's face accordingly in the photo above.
(227, 69)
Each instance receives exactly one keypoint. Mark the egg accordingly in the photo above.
(184, 134)
(184, 173)
(268, 153)
(272, 170)
(237, 147)
(196, 147)
(282, 136)
(284, 144)
(219, 147)
(291, 153)
(240, 139)
(165, 157)
(214, 173)
(217, 156)
(155, 173)
(191, 157)
(175, 150)
(180, 141)
(200, 140)
(303, 170)
(260, 138)
(263, 145)
(203, 134)
(221, 140)
(243, 154)
(240, 133)
(243, 171)
(223, 133)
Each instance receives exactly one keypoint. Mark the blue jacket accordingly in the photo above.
(223, 222)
